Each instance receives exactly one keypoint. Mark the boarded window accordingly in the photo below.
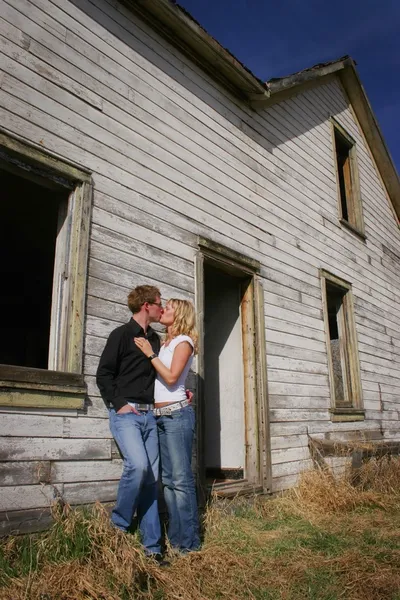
(342, 349)
(350, 208)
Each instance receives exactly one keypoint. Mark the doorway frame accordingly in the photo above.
(258, 463)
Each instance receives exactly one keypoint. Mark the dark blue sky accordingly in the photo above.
(278, 37)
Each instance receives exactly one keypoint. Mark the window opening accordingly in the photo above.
(344, 369)
(343, 149)
(30, 223)
(337, 343)
(349, 198)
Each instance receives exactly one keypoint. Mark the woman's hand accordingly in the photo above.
(144, 346)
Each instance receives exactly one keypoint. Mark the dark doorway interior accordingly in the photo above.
(29, 223)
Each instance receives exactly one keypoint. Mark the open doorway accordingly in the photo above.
(224, 444)
(233, 441)
(30, 215)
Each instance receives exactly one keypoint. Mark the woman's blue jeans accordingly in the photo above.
(136, 436)
(175, 433)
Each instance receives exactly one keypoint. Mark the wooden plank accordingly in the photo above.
(279, 484)
(28, 425)
(283, 363)
(58, 379)
(301, 402)
(24, 497)
(288, 441)
(287, 389)
(25, 521)
(278, 414)
(288, 376)
(22, 449)
(87, 492)
(36, 399)
(289, 455)
(24, 473)
(282, 354)
(86, 427)
(98, 471)
(291, 468)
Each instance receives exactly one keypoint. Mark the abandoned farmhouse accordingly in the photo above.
(135, 149)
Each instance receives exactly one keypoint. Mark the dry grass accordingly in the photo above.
(325, 540)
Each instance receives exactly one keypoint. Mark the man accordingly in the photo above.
(125, 378)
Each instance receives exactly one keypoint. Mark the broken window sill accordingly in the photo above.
(346, 414)
(27, 387)
(353, 229)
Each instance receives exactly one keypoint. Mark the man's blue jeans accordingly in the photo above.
(175, 432)
(136, 436)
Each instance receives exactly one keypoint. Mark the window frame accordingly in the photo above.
(353, 408)
(62, 384)
(353, 201)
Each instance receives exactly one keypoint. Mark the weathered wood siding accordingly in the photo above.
(174, 156)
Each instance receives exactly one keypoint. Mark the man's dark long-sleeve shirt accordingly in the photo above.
(124, 372)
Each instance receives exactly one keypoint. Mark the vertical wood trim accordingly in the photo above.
(59, 284)
(354, 359)
(69, 283)
(200, 407)
(262, 389)
(328, 339)
(356, 191)
(79, 251)
(252, 439)
(344, 351)
(335, 164)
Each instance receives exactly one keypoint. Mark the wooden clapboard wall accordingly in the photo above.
(174, 156)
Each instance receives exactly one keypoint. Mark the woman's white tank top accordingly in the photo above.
(176, 392)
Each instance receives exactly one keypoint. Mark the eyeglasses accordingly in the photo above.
(159, 304)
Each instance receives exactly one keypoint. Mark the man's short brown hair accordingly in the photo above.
(142, 294)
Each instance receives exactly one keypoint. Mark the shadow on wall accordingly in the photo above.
(184, 82)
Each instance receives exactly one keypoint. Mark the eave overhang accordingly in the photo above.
(175, 25)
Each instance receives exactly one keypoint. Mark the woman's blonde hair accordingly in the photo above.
(185, 320)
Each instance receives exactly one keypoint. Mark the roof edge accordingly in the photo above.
(372, 133)
(312, 74)
(175, 25)
(345, 69)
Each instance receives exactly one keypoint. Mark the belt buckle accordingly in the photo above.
(168, 411)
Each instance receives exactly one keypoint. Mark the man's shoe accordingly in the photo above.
(160, 560)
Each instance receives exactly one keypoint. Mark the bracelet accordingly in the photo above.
(154, 355)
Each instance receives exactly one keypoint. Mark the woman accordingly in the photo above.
(176, 421)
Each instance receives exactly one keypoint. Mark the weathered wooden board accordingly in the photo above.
(289, 455)
(87, 492)
(24, 473)
(22, 497)
(16, 449)
(24, 521)
(97, 471)
(31, 425)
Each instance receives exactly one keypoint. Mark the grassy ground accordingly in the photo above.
(326, 540)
